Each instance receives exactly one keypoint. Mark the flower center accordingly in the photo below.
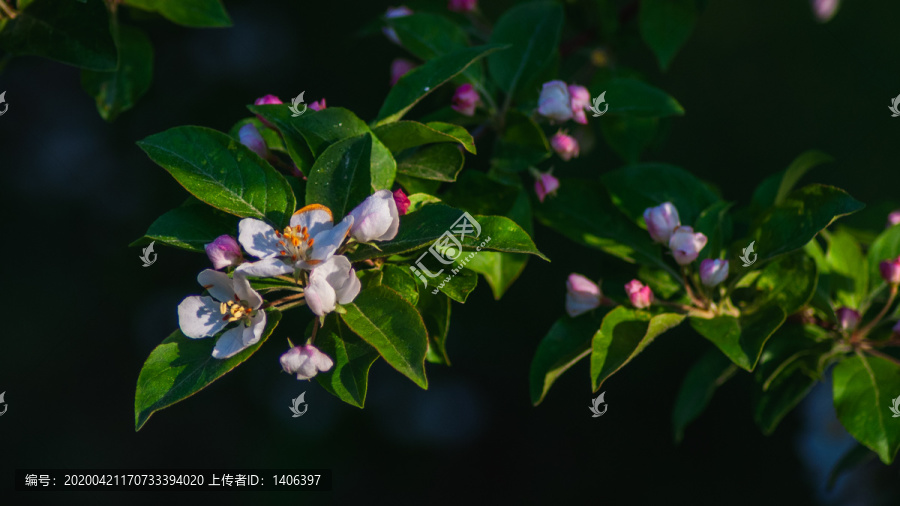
(295, 242)
(235, 310)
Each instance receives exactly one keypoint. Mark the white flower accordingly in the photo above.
(229, 301)
(376, 218)
(309, 240)
(330, 283)
(305, 361)
(554, 101)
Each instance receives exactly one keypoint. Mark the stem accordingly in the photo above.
(290, 305)
(286, 299)
(312, 338)
(861, 333)
(686, 281)
(9, 11)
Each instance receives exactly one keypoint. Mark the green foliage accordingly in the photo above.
(117, 91)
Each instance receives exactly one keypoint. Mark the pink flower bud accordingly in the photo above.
(582, 295)
(661, 221)
(462, 5)
(824, 10)
(641, 296)
(465, 100)
(395, 12)
(305, 361)
(399, 68)
(250, 137)
(554, 101)
(890, 271)
(847, 318)
(893, 219)
(267, 99)
(713, 272)
(580, 100)
(686, 245)
(565, 146)
(402, 201)
(223, 252)
(317, 106)
(545, 184)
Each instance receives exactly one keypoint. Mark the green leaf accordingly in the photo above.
(625, 333)
(863, 389)
(533, 31)
(340, 179)
(414, 185)
(69, 32)
(567, 342)
(435, 311)
(428, 36)
(190, 226)
(632, 97)
(118, 91)
(402, 281)
(704, 377)
(349, 378)
(885, 247)
(795, 221)
(848, 269)
(458, 286)
(581, 212)
(423, 227)
(180, 367)
(666, 25)
(629, 136)
(775, 188)
(309, 135)
(742, 340)
(194, 13)
(392, 325)
(422, 80)
(715, 223)
(402, 135)
(500, 270)
(439, 162)
(636, 187)
(789, 282)
(522, 143)
(222, 172)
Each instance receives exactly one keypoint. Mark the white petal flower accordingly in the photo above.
(230, 301)
(331, 283)
(305, 361)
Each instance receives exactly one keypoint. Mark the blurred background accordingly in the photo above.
(760, 81)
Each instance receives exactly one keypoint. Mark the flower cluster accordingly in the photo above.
(561, 102)
(307, 254)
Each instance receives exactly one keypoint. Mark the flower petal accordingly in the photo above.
(200, 317)
(315, 217)
(231, 343)
(252, 333)
(320, 296)
(266, 268)
(328, 241)
(217, 283)
(244, 291)
(338, 272)
(258, 238)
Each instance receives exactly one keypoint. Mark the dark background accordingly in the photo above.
(761, 82)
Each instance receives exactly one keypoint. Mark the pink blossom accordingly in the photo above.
(554, 101)
(223, 252)
(462, 5)
(545, 184)
(582, 295)
(399, 68)
(713, 272)
(824, 10)
(661, 221)
(686, 245)
(565, 146)
(847, 318)
(641, 296)
(893, 219)
(890, 271)
(402, 201)
(465, 100)
(250, 137)
(318, 106)
(395, 12)
(580, 99)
